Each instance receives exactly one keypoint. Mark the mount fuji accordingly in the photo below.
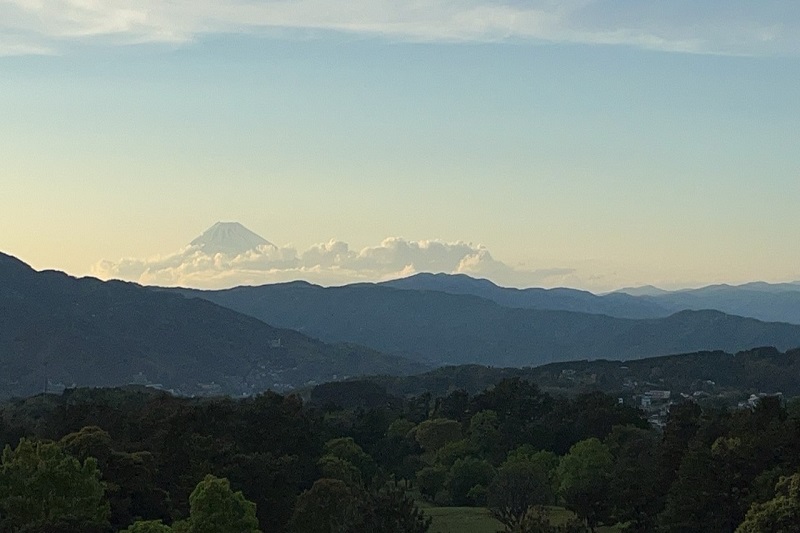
(229, 238)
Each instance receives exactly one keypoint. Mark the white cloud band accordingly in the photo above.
(331, 263)
(730, 27)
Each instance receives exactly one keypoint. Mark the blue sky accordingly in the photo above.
(594, 144)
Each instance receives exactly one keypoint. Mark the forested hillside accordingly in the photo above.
(770, 302)
(616, 304)
(56, 331)
(443, 328)
(139, 460)
(717, 375)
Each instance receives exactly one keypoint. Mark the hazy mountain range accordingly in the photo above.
(56, 330)
(443, 328)
(779, 302)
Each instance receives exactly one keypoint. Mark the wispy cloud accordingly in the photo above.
(719, 27)
(330, 263)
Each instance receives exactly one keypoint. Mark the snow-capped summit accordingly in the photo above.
(230, 238)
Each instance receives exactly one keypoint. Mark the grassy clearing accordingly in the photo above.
(462, 520)
(479, 520)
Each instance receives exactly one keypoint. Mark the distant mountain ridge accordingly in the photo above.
(614, 304)
(770, 302)
(443, 328)
(761, 286)
(61, 330)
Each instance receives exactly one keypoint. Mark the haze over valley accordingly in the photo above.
(61, 331)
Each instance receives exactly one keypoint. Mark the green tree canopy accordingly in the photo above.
(333, 467)
(329, 506)
(43, 488)
(400, 428)
(522, 481)
(390, 510)
(346, 449)
(430, 480)
(147, 526)
(468, 479)
(216, 508)
(129, 478)
(434, 433)
(583, 476)
(633, 487)
(780, 514)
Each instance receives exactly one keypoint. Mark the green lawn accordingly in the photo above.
(478, 520)
(462, 520)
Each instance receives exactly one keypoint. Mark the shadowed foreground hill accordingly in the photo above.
(88, 332)
(718, 373)
(454, 329)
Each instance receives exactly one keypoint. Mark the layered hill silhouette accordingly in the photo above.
(56, 330)
(716, 376)
(772, 302)
(442, 328)
(60, 330)
(617, 304)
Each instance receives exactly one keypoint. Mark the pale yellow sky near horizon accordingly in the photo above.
(598, 145)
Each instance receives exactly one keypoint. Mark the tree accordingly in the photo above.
(513, 398)
(215, 508)
(399, 428)
(390, 510)
(633, 494)
(430, 480)
(435, 433)
(682, 425)
(454, 406)
(468, 479)
(333, 467)
(583, 476)
(780, 514)
(129, 477)
(271, 481)
(522, 481)
(329, 506)
(453, 451)
(702, 496)
(484, 435)
(347, 450)
(519, 405)
(147, 526)
(44, 489)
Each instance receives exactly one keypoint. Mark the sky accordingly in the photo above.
(594, 144)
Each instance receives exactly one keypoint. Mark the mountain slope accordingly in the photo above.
(757, 300)
(446, 328)
(770, 302)
(616, 304)
(726, 376)
(87, 332)
(229, 238)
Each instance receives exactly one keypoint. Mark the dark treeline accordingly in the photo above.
(138, 460)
